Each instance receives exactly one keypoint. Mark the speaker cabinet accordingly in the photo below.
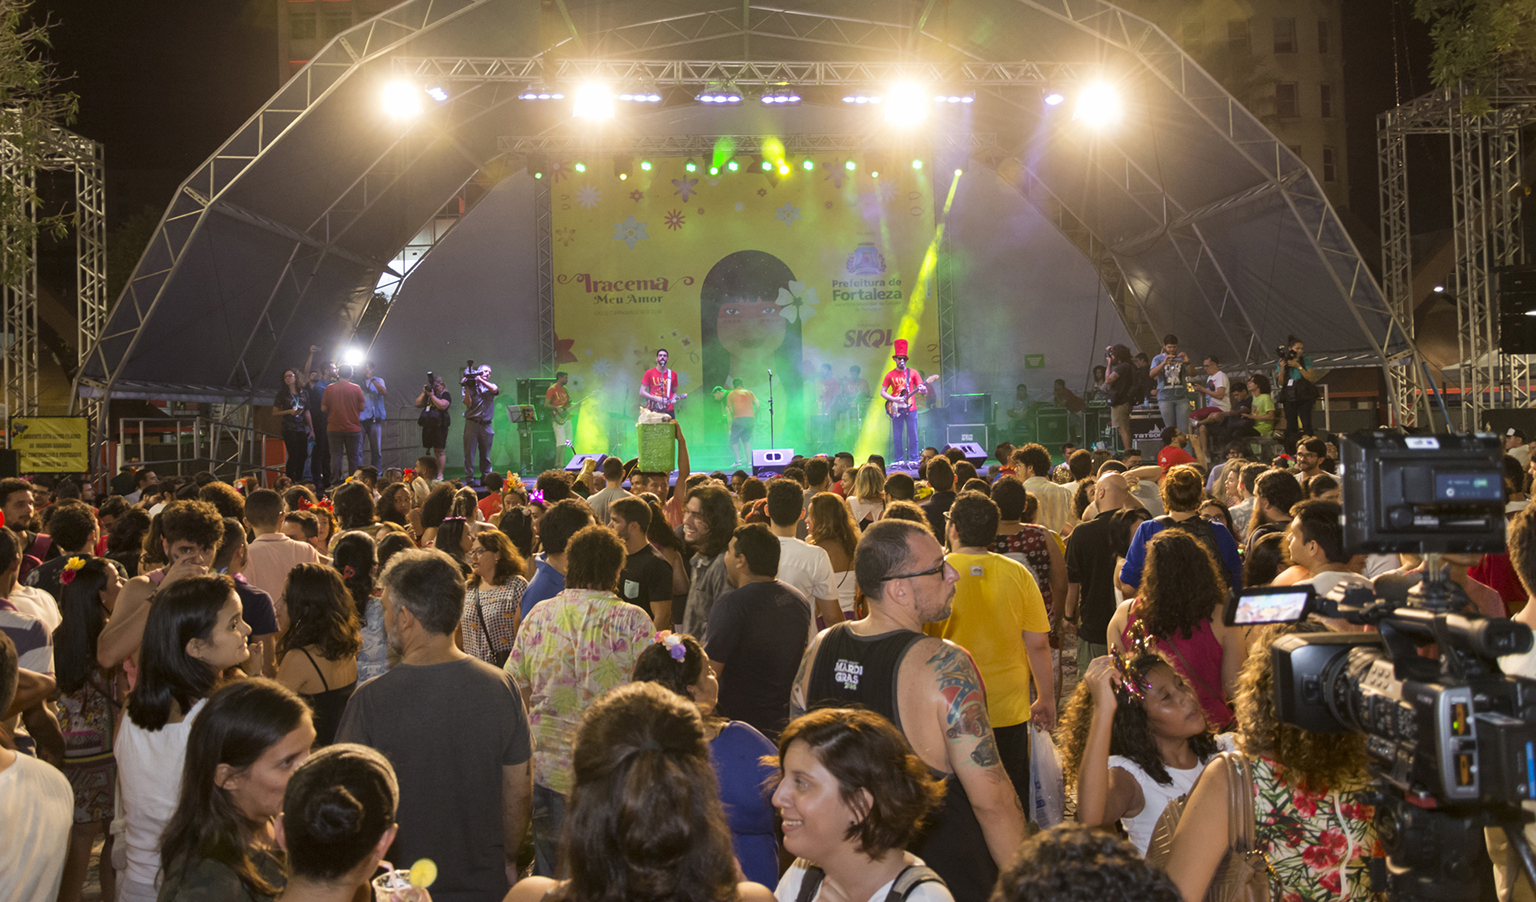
(574, 465)
(972, 451)
(771, 461)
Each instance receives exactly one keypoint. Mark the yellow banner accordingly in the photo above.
(52, 444)
(805, 268)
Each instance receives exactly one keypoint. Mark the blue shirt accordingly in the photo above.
(547, 583)
(373, 401)
(1136, 558)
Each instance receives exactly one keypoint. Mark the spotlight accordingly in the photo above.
(438, 93)
(691, 166)
(581, 167)
(538, 175)
(906, 104)
(957, 172)
(622, 167)
(850, 166)
(783, 169)
(1439, 289)
(644, 95)
(720, 92)
(402, 100)
(353, 356)
(917, 164)
(874, 173)
(954, 98)
(623, 176)
(731, 166)
(1054, 98)
(594, 100)
(645, 165)
(807, 164)
(861, 97)
(1098, 105)
(714, 170)
(780, 95)
(767, 166)
(540, 92)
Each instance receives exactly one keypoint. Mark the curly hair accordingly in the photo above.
(834, 523)
(509, 562)
(595, 557)
(1073, 863)
(1316, 762)
(866, 754)
(320, 614)
(1130, 734)
(354, 506)
(1181, 586)
(192, 521)
(1181, 489)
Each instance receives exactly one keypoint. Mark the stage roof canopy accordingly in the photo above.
(1200, 221)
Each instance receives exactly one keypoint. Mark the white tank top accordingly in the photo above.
(149, 774)
(1155, 795)
(847, 584)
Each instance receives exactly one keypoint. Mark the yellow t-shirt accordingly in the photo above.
(996, 602)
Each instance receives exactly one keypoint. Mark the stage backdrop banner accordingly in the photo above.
(52, 444)
(737, 274)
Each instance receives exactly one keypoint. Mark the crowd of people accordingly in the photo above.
(828, 683)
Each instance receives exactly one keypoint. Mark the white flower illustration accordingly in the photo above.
(787, 214)
(798, 302)
(684, 379)
(740, 206)
(629, 231)
(885, 190)
(575, 382)
(588, 197)
(601, 367)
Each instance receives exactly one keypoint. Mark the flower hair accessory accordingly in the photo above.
(71, 567)
(348, 571)
(1130, 681)
(535, 497)
(409, 474)
(674, 644)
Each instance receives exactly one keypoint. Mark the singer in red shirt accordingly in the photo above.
(900, 387)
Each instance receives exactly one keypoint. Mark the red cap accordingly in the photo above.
(901, 348)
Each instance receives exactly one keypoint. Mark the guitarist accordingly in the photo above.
(659, 387)
(558, 400)
(900, 387)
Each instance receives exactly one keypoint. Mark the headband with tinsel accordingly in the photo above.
(1131, 682)
(71, 567)
(535, 497)
(674, 644)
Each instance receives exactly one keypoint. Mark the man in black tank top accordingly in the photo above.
(930, 690)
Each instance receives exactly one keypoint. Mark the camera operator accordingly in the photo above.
(1312, 817)
(479, 410)
(1522, 556)
(433, 402)
(1297, 381)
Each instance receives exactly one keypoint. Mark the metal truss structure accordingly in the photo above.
(1486, 197)
(522, 146)
(62, 150)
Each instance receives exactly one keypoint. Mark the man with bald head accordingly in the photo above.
(1091, 566)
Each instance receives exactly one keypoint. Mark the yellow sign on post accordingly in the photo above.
(52, 444)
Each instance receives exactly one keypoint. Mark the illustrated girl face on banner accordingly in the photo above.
(750, 325)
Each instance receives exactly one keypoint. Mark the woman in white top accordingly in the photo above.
(852, 796)
(831, 528)
(194, 632)
(1132, 750)
(867, 500)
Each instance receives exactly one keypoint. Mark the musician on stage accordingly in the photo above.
(900, 388)
(659, 387)
(558, 399)
(479, 410)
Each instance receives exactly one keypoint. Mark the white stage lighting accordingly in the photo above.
(402, 99)
(719, 92)
(540, 92)
(1054, 98)
(353, 356)
(438, 93)
(906, 104)
(594, 100)
(1098, 105)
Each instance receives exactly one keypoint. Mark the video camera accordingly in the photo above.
(1285, 352)
(467, 378)
(1452, 739)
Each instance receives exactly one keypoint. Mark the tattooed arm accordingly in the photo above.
(972, 750)
(798, 703)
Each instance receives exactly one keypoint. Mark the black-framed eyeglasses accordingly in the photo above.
(934, 571)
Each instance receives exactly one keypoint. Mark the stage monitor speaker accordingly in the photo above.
(958, 433)
(10, 463)
(1053, 426)
(970, 408)
(972, 451)
(771, 461)
(574, 466)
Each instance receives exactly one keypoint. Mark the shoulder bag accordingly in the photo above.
(1243, 874)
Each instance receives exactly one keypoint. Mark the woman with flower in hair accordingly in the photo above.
(736, 750)
(1134, 738)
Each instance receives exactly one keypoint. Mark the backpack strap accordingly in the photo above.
(909, 880)
(810, 884)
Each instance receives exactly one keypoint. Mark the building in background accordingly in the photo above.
(305, 26)
(1282, 59)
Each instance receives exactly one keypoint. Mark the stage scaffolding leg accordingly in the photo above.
(543, 222)
(1506, 247)
(949, 350)
(20, 303)
(1403, 380)
(1469, 210)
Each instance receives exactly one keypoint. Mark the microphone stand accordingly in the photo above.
(771, 442)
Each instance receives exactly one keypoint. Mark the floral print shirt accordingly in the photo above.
(1318, 845)
(571, 649)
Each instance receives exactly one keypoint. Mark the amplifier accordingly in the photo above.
(956, 434)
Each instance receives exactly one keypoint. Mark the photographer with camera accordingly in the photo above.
(1522, 556)
(479, 410)
(1297, 382)
(433, 419)
(1311, 816)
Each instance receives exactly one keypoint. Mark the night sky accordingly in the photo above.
(163, 82)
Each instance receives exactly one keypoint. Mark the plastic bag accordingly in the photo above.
(1047, 795)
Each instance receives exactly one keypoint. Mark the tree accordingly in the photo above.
(32, 108)
(1477, 42)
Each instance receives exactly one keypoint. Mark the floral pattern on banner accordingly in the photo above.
(1305, 842)
(571, 649)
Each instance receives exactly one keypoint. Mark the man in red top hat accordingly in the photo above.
(900, 388)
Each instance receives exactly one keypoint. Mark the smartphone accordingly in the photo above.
(1269, 604)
